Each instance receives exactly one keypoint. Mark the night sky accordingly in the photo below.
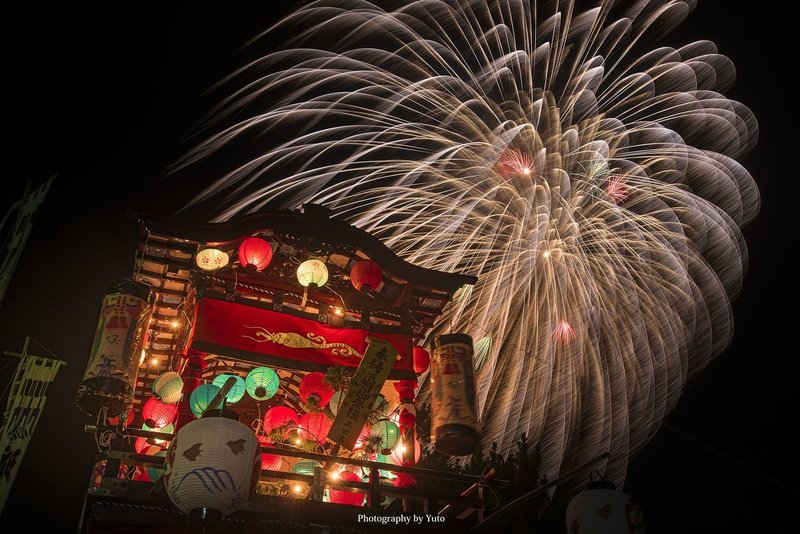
(104, 97)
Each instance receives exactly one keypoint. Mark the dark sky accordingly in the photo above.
(103, 96)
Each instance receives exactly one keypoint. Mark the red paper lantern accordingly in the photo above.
(314, 385)
(422, 360)
(366, 275)
(277, 417)
(347, 497)
(315, 426)
(255, 253)
(156, 414)
(269, 461)
(140, 445)
(404, 480)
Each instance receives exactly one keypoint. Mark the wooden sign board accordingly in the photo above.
(362, 392)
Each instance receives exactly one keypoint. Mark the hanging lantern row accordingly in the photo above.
(261, 383)
(254, 255)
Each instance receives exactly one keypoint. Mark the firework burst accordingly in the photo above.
(584, 173)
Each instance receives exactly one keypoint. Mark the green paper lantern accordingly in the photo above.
(156, 472)
(385, 459)
(169, 429)
(388, 431)
(262, 383)
(201, 397)
(305, 467)
(236, 393)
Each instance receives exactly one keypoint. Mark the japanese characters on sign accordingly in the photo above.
(362, 392)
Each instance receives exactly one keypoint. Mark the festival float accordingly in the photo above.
(263, 371)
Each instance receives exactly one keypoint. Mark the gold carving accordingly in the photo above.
(296, 341)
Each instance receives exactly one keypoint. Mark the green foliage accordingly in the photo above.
(337, 376)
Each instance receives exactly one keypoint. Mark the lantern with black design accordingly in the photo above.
(213, 463)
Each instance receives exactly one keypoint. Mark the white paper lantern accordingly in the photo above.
(168, 387)
(601, 509)
(211, 259)
(213, 463)
(312, 272)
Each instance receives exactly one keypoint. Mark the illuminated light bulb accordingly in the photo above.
(338, 312)
(154, 361)
(298, 488)
(335, 475)
(298, 441)
(175, 324)
(546, 253)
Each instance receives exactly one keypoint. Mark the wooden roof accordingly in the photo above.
(409, 299)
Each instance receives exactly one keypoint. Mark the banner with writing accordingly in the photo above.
(364, 388)
(25, 404)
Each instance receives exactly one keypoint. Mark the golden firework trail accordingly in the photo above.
(583, 169)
